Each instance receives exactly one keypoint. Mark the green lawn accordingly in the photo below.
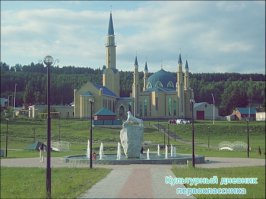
(219, 132)
(256, 191)
(30, 182)
(21, 134)
(24, 182)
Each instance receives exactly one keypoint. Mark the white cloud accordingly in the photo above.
(210, 34)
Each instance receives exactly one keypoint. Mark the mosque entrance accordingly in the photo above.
(121, 112)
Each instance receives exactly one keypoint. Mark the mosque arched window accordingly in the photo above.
(170, 106)
(174, 107)
(129, 107)
(149, 85)
(145, 107)
(140, 109)
(159, 84)
(121, 112)
(170, 84)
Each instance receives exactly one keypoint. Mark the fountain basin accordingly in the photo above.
(153, 159)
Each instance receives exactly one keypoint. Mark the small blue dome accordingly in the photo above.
(162, 79)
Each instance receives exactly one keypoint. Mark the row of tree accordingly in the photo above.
(230, 90)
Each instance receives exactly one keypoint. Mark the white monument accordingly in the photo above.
(131, 136)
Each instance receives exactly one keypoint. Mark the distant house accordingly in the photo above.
(4, 103)
(105, 117)
(104, 114)
(244, 113)
(260, 116)
(204, 111)
(61, 111)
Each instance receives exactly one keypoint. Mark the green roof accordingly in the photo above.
(146, 67)
(179, 59)
(136, 61)
(104, 111)
(164, 77)
(110, 27)
(186, 66)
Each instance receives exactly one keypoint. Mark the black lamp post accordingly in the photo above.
(192, 101)
(59, 136)
(163, 137)
(91, 102)
(34, 134)
(6, 134)
(48, 61)
(248, 137)
(208, 137)
(168, 134)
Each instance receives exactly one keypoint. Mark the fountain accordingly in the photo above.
(171, 150)
(101, 152)
(174, 153)
(118, 156)
(131, 137)
(88, 149)
(166, 152)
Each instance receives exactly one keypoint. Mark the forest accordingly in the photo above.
(230, 90)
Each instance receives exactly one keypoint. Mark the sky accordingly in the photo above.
(213, 36)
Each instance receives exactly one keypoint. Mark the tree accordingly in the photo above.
(28, 95)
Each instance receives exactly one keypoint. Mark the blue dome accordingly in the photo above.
(162, 79)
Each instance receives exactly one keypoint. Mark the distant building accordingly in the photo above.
(104, 114)
(61, 111)
(105, 117)
(4, 103)
(204, 111)
(244, 113)
(163, 95)
(260, 116)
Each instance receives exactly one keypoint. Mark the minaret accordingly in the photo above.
(188, 93)
(180, 88)
(111, 77)
(110, 45)
(145, 78)
(135, 86)
(186, 86)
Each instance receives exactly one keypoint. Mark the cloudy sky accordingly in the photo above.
(214, 36)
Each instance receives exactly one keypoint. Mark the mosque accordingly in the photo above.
(163, 95)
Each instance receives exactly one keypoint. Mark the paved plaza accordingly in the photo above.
(135, 180)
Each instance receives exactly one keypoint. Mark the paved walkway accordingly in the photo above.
(134, 181)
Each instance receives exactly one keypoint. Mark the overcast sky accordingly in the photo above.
(214, 36)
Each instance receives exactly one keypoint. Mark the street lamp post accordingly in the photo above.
(48, 61)
(248, 138)
(208, 137)
(91, 101)
(15, 100)
(164, 139)
(168, 134)
(192, 101)
(59, 136)
(34, 134)
(6, 134)
(213, 109)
